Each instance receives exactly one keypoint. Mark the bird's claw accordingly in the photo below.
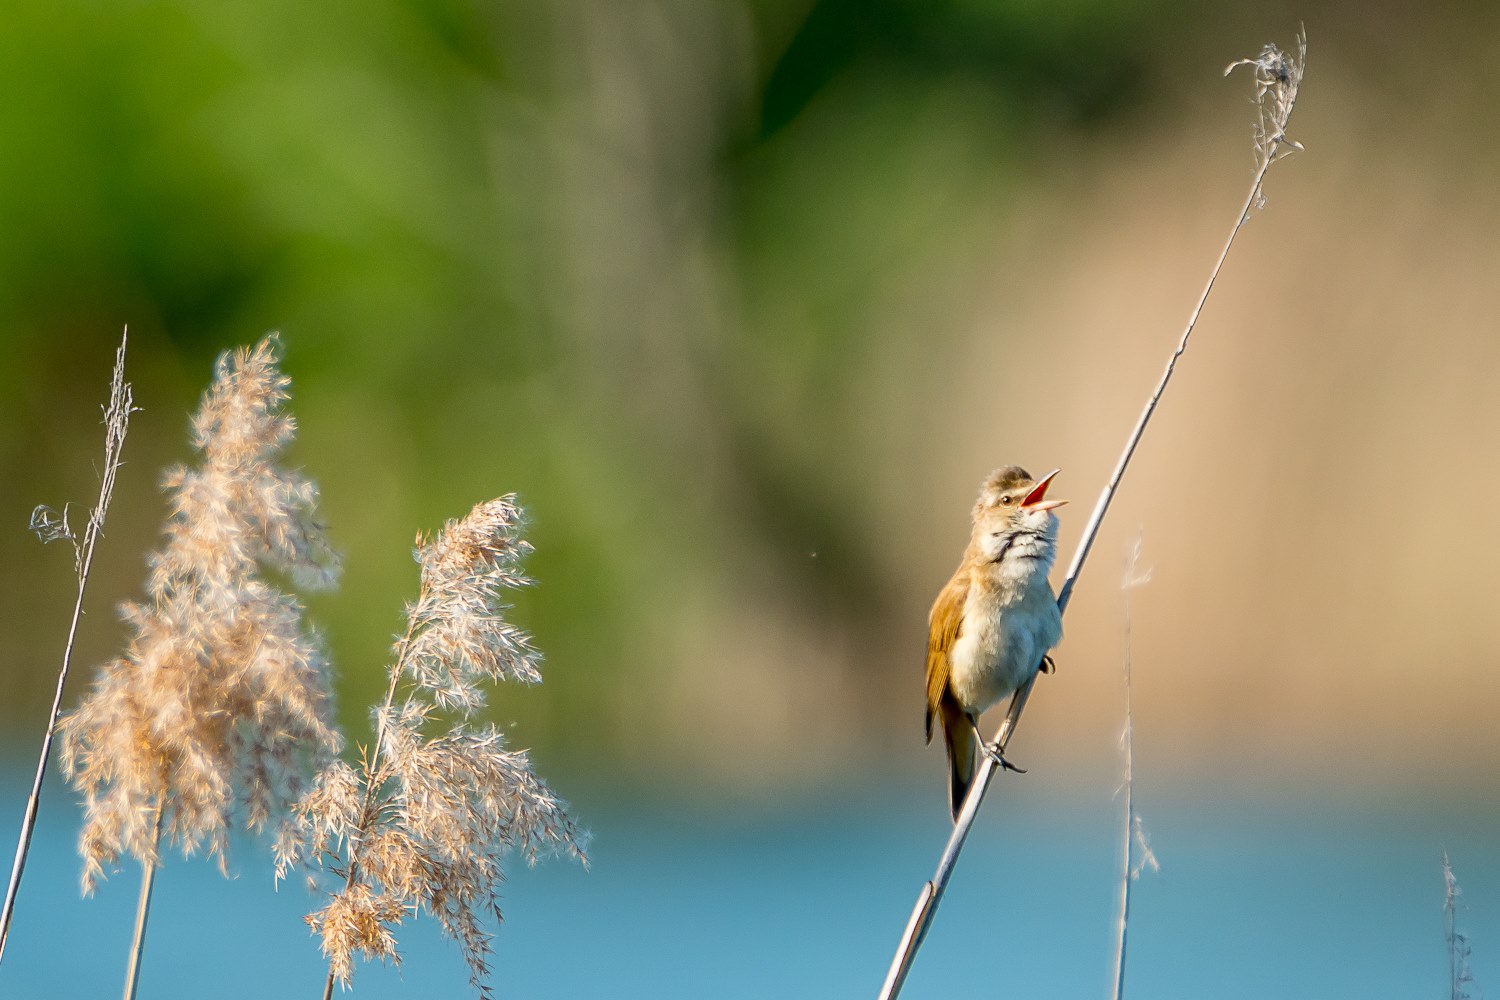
(992, 751)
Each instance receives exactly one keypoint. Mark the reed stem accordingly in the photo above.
(1132, 831)
(373, 777)
(116, 422)
(143, 908)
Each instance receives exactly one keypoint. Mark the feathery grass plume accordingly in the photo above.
(427, 818)
(1278, 76)
(222, 694)
(49, 526)
(1459, 974)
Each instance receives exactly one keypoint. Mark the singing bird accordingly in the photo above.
(991, 627)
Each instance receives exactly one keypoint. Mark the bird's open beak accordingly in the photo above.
(1034, 499)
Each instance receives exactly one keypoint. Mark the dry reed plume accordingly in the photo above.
(424, 821)
(222, 693)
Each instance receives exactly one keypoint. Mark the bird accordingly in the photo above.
(995, 622)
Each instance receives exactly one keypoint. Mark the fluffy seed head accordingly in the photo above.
(222, 693)
(427, 819)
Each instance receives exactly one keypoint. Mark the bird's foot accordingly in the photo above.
(992, 751)
(1048, 665)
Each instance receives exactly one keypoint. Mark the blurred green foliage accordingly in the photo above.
(621, 258)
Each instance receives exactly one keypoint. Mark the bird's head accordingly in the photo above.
(1014, 519)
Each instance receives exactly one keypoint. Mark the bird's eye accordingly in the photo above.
(1006, 499)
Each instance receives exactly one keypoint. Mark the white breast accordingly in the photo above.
(1002, 643)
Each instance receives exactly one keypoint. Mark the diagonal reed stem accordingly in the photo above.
(1277, 77)
(116, 422)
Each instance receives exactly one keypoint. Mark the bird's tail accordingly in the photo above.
(958, 737)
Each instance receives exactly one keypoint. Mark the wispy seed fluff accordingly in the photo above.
(425, 820)
(221, 700)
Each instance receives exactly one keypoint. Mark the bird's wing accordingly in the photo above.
(942, 632)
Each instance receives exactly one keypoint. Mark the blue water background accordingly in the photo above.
(1259, 895)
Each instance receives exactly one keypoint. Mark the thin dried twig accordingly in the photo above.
(1136, 853)
(51, 527)
(1278, 75)
(1459, 975)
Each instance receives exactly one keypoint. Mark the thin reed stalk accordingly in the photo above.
(50, 527)
(373, 758)
(1459, 975)
(143, 909)
(1278, 75)
(1133, 830)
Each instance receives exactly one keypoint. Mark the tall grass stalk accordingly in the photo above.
(1277, 78)
(1459, 975)
(52, 527)
(1136, 853)
(143, 910)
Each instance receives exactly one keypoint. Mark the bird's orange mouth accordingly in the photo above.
(1034, 500)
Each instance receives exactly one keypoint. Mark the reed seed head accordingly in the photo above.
(222, 694)
(438, 802)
